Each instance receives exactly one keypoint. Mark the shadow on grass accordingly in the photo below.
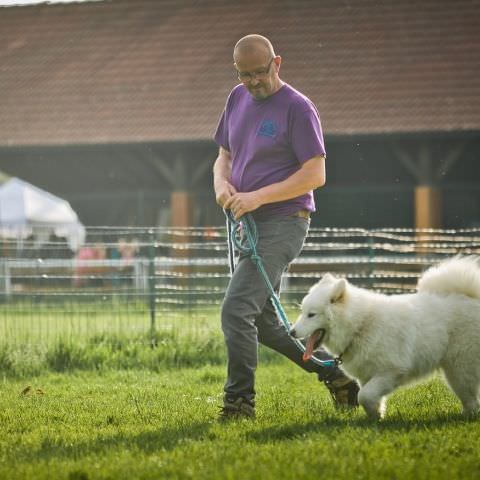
(336, 424)
(148, 442)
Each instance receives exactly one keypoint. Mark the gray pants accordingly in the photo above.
(247, 314)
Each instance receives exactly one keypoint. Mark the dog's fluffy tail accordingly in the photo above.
(457, 275)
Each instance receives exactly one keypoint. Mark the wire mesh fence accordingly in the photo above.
(137, 281)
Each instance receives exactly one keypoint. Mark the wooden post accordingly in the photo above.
(427, 215)
(181, 212)
(427, 207)
(181, 208)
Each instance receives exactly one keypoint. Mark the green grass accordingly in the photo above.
(47, 321)
(104, 404)
(89, 337)
(150, 425)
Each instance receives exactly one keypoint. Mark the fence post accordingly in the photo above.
(371, 256)
(5, 281)
(151, 285)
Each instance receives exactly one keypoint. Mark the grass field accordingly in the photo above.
(95, 404)
(92, 336)
(151, 425)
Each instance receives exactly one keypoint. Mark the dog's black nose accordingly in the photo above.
(292, 332)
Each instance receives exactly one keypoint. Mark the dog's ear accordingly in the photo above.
(328, 278)
(338, 291)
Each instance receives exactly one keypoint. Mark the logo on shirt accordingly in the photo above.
(268, 128)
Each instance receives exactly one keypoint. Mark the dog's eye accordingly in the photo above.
(310, 315)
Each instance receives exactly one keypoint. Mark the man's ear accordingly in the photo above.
(278, 61)
(338, 291)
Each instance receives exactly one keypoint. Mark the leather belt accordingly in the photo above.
(302, 214)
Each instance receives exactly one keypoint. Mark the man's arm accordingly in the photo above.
(310, 176)
(222, 171)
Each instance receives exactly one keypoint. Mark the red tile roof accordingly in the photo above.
(160, 70)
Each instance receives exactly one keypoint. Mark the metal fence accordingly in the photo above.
(136, 280)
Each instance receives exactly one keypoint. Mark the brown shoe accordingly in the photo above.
(236, 408)
(344, 392)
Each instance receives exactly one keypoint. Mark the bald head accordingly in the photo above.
(253, 44)
(257, 66)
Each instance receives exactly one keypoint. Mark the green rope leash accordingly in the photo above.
(249, 229)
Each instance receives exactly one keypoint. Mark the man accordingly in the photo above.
(271, 158)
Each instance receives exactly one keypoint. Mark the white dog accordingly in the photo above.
(385, 341)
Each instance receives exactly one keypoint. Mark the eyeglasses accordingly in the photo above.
(261, 73)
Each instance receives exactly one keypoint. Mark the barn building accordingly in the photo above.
(113, 104)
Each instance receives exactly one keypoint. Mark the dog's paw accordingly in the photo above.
(374, 410)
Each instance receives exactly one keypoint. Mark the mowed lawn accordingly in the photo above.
(132, 424)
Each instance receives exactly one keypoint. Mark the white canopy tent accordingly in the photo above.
(28, 210)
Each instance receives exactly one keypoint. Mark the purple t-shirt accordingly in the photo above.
(269, 140)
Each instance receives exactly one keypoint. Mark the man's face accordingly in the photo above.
(258, 72)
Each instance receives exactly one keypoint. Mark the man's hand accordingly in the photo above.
(222, 171)
(242, 203)
(223, 192)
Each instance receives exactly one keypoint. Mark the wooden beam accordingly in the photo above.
(201, 170)
(407, 161)
(180, 172)
(451, 158)
(425, 169)
(161, 167)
